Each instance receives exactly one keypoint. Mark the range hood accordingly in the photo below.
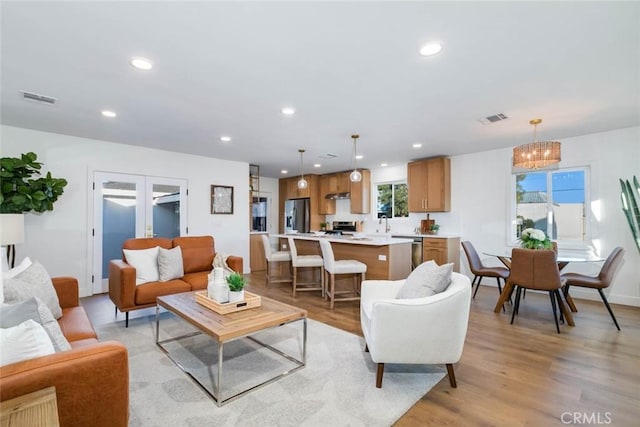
(334, 196)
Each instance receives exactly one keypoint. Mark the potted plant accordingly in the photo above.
(21, 191)
(323, 226)
(532, 238)
(236, 284)
(433, 229)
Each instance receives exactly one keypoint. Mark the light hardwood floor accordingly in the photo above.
(523, 374)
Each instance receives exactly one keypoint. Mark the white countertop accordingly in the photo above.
(368, 240)
(434, 236)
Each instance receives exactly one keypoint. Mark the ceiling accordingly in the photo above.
(227, 68)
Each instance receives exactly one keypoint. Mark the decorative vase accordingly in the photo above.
(217, 288)
(236, 296)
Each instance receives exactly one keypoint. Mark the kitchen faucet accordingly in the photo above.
(386, 223)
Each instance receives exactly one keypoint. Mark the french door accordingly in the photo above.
(127, 206)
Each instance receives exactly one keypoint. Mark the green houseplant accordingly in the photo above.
(236, 283)
(23, 189)
(630, 207)
(532, 238)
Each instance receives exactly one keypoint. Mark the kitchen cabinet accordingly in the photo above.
(442, 250)
(343, 184)
(361, 193)
(257, 260)
(328, 184)
(288, 189)
(429, 182)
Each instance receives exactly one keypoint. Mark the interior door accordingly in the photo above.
(128, 206)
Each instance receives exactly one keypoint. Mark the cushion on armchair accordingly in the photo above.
(33, 282)
(427, 279)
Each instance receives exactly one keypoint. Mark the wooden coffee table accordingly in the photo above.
(224, 328)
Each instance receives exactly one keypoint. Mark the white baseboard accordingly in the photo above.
(593, 295)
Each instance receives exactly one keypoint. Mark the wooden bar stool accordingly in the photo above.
(343, 266)
(301, 261)
(274, 257)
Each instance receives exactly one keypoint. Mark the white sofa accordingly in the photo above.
(429, 330)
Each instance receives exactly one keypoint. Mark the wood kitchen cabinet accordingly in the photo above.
(360, 193)
(257, 260)
(429, 182)
(288, 189)
(328, 184)
(443, 250)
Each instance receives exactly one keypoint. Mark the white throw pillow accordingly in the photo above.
(170, 264)
(24, 264)
(33, 309)
(427, 279)
(145, 261)
(33, 282)
(26, 341)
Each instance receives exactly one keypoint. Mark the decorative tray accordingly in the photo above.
(250, 301)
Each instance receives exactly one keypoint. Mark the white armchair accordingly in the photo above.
(429, 330)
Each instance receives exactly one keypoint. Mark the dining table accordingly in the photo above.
(563, 259)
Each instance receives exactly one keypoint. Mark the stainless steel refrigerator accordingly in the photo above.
(296, 215)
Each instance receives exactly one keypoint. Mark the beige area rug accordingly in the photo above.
(335, 388)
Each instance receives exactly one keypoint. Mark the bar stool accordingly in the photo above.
(274, 257)
(298, 261)
(343, 266)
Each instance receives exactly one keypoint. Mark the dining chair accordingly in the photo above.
(305, 261)
(538, 270)
(600, 282)
(343, 266)
(274, 257)
(480, 271)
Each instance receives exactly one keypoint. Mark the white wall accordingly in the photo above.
(59, 239)
(480, 203)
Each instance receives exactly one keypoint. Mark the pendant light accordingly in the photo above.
(302, 183)
(355, 176)
(536, 154)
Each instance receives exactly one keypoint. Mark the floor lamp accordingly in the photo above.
(11, 233)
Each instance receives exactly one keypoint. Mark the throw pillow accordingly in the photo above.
(427, 279)
(24, 264)
(145, 261)
(26, 341)
(170, 264)
(33, 282)
(13, 314)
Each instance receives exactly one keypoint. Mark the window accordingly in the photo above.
(392, 200)
(552, 201)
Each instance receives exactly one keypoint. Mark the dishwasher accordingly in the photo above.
(416, 252)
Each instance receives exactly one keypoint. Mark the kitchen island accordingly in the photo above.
(386, 258)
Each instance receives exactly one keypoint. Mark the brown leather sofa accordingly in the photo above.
(198, 253)
(91, 379)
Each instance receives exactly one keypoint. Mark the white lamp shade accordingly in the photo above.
(11, 229)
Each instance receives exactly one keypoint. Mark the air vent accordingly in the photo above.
(327, 156)
(493, 119)
(30, 96)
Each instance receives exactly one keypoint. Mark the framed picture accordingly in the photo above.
(221, 199)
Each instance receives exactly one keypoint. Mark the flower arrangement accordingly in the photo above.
(236, 282)
(532, 238)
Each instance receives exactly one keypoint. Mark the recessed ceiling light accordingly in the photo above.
(417, 145)
(108, 113)
(284, 171)
(317, 165)
(141, 63)
(384, 164)
(359, 156)
(225, 138)
(430, 49)
(288, 111)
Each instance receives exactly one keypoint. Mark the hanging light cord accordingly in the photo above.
(301, 160)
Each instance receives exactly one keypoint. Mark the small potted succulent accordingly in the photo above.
(433, 229)
(236, 284)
